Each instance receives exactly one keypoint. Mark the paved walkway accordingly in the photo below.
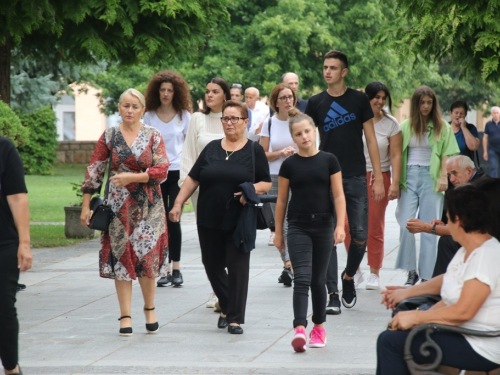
(68, 317)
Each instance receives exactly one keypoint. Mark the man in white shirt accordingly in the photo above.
(260, 113)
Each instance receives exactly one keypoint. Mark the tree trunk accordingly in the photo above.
(5, 56)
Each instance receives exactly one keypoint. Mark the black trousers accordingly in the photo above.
(169, 190)
(218, 252)
(310, 247)
(457, 352)
(9, 326)
(447, 248)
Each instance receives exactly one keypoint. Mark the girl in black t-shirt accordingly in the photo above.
(313, 176)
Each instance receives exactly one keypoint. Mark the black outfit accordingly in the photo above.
(217, 216)
(310, 230)
(11, 182)
(169, 190)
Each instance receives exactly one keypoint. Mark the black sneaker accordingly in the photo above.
(348, 292)
(20, 287)
(286, 277)
(177, 278)
(412, 278)
(333, 307)
(165, 280)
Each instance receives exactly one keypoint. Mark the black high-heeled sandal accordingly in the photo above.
(151, 327)
(127, 331)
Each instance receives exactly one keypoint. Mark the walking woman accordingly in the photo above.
(222, 166)
(428, 141)
(168, 105)
(314, 177)
(278, 144)
(204, 127)
(389, 141)
(136, 244)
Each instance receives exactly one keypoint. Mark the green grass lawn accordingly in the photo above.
(47, 197)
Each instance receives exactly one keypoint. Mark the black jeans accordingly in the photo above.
(9, 326)
(356, 196)
(169, 190)
(310, 245)
(447, 248)
(457, 352)
(218, 252)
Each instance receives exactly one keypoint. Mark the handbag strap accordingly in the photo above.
(253, 162)
(106, 190)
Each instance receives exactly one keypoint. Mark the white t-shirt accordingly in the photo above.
(483, 264)
(173, 134)
(259, 114)
(384, 129)
(279, 139)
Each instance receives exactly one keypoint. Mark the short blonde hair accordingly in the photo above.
(135, 93)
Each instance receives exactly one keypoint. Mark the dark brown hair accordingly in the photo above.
(182, 97)
(225, 88)
(417, 124)
(233, 104)
(334, 54)
(273, 97)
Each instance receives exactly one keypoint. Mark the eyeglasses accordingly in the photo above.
(234, 120)
(285, 98)
(236, 86)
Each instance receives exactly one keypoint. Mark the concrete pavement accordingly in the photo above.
(68, 319)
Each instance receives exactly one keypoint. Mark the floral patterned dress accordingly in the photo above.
(136, 244)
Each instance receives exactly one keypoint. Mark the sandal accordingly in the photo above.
(126, 331)
(151, 327)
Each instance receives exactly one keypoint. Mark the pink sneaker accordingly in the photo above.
(299, 341)
(317, 338)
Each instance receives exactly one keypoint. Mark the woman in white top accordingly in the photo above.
(428, 141)
(389, 141)
(470, 290)
(278, 144)
(204, 127)
(168, 109)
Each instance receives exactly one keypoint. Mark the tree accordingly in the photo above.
(87, 31)
(469, 31)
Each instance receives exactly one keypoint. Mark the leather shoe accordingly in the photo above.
(222, 323)
(235, 330)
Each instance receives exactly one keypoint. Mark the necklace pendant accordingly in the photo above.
(227, 157)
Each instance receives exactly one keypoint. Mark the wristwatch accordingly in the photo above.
(433, 229)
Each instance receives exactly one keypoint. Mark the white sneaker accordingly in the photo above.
(211, 301)
(373, 282)
(358, 277)
(271, 240)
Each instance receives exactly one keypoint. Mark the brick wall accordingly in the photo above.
(75, 152)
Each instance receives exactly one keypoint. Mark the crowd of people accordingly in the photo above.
(235, 148)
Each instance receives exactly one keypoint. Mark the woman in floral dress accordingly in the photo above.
(136, 244)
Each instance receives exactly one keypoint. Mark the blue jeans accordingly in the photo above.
(356, 197)
(310, 246)
(419, 196)
(493, 160)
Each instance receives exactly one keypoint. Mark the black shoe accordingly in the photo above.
(348, 292)
(165, 280)
(412, 278)
(222, 322)
(20, 287)
(333, 307)
(177, 278)
(127, 331)
(151, 327)
(286, 277)
(235, 330)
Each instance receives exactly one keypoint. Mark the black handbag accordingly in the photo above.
(102, 214)
(423, 302)
(265, 217)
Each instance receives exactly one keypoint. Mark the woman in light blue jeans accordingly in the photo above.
(427, 142)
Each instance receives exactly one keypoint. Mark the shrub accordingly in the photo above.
(40, 154)
(11, 127)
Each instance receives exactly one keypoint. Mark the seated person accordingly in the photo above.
(461, 170)
(470, 290)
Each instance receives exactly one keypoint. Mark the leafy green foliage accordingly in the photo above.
(11, 127)
(39, 155)
(469, 31)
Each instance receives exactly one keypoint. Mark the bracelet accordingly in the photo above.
(433, 229)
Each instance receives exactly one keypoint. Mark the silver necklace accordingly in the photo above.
(236, 149)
